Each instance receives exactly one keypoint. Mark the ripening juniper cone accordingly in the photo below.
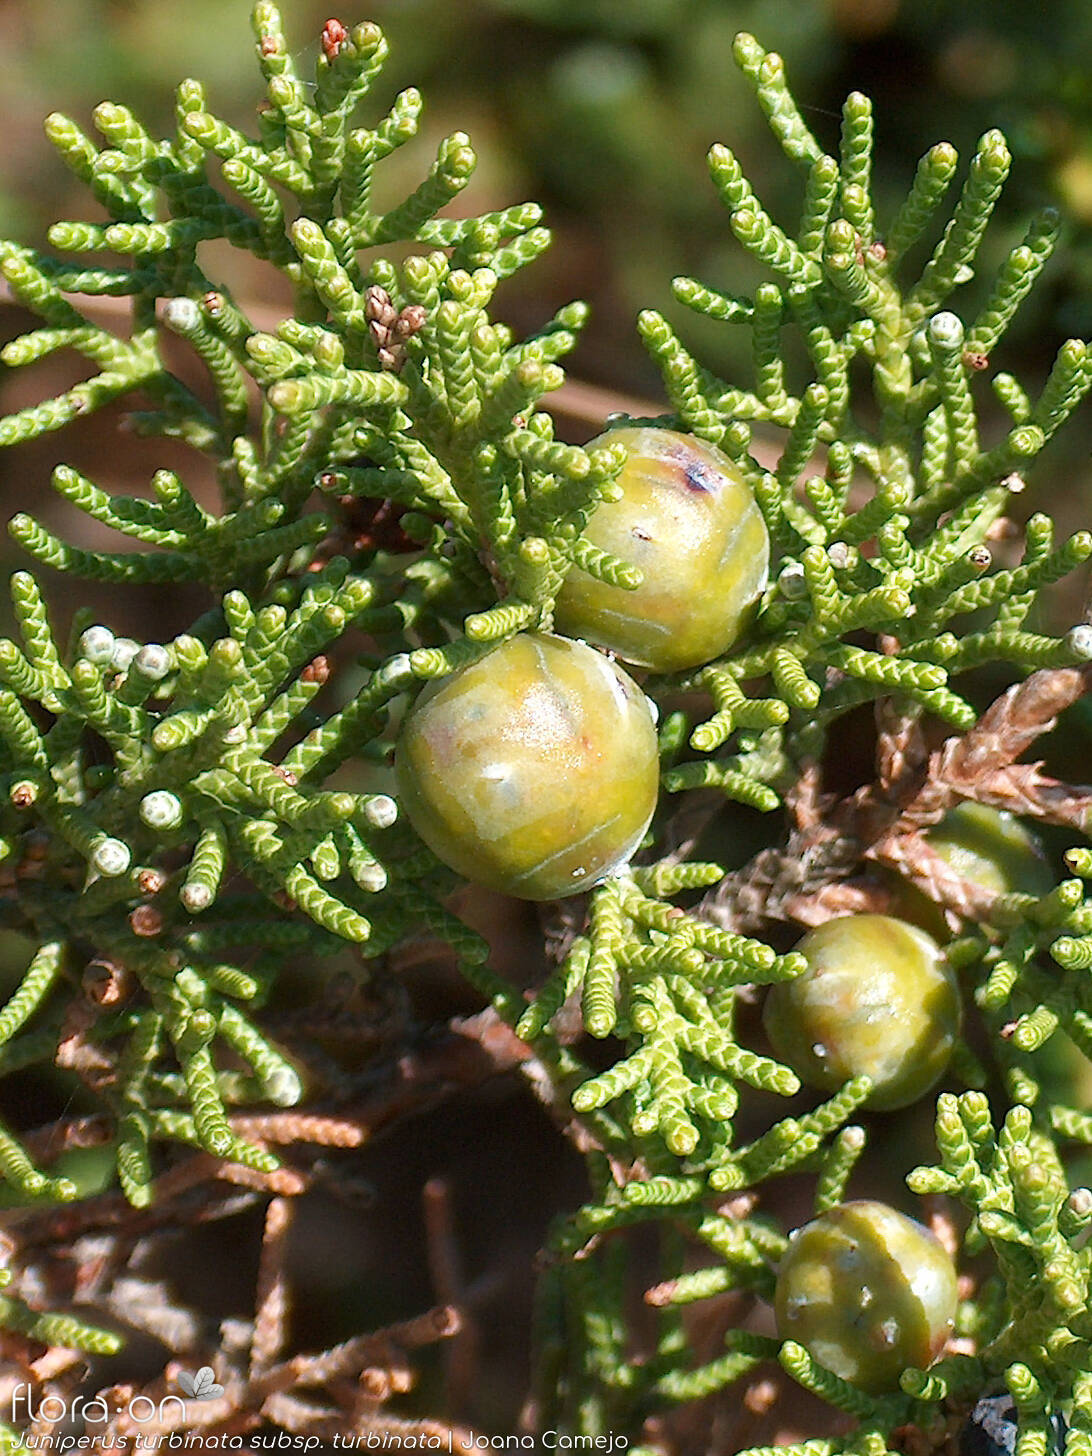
(533, 770)
(868, 1292)
(878, 997)
(989, 847)
(688, 520)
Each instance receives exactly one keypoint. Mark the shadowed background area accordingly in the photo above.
(603, 111)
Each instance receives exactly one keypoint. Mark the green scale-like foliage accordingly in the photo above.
(18, 1320)
(164, 807)
(190, 724)
(882, 497)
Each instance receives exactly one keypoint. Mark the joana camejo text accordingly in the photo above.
(141, 1409)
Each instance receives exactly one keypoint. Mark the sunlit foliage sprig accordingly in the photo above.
(883, 494)
(215, 755)
(170, 838)
(881, 501)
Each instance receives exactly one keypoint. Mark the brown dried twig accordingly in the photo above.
(824, 869)
(340, 1391)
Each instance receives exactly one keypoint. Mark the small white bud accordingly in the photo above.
(161, 809)
(946, 330)
(284, 1086)
(840, 555)
(397, 671)
(111, 857)
(381, 810)
(153, 661)
(181, 314)
(97, 645)
(1079, 640)
(791, 582)
(372, 877)
(195, 897)
(125, 649)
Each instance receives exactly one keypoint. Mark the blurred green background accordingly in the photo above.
(602, 110)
